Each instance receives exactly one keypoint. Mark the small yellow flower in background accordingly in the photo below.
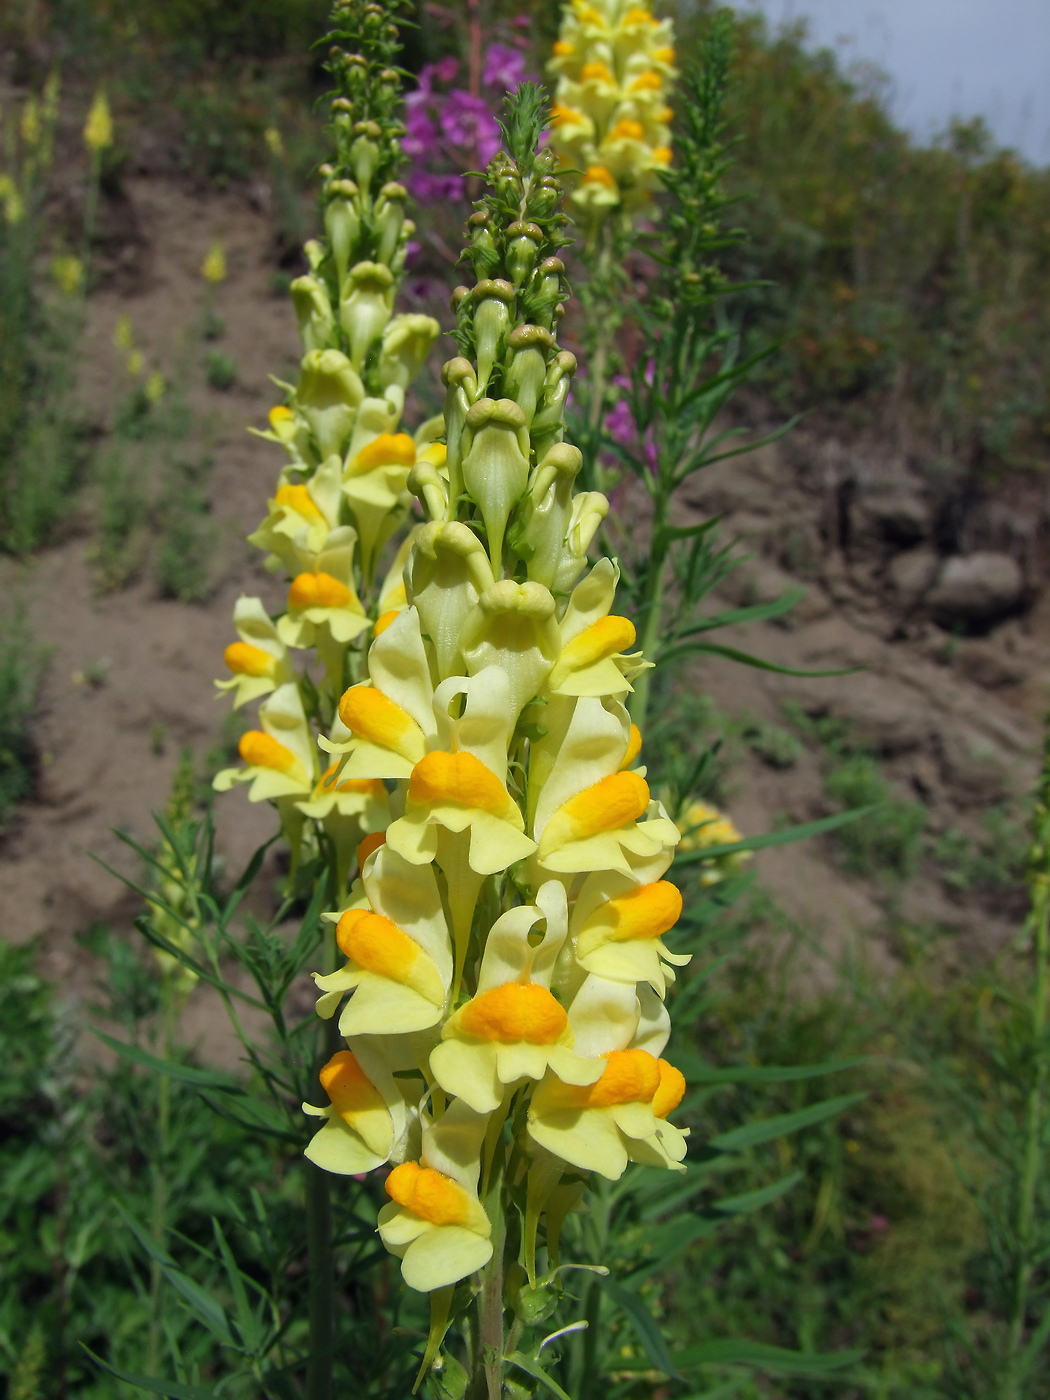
(11, 199)
(213, 268)
(701, 825)
(98, 129)
(135, 363)
(155, 387)
(274, 144)
(123, 335)
(68, 272)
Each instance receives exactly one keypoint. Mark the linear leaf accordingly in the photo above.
(766, 1129)
(187, 1074)
(646, 1330)
(536, 1371)
(740, 1352)
(755, 1200)
(745, 658)
(176, 1390)
(697, 1072)
(777, 838)
(759, 612)
(199, 1302)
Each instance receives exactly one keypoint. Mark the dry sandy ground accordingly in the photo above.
(960, 736)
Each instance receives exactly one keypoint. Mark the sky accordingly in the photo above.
(945, 58)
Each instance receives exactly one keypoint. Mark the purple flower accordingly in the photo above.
(467, 121)
(504, 67)
(435, 189)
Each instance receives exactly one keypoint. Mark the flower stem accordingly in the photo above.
(319, 1252)
(650, 611)
(488, 1377)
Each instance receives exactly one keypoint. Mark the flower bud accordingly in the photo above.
(406, 344)
(496, 466)
(389, 215)
(364, 157)
(342, 222)
(527, 369)
(589, 509)
(459, 377)
(315, 252)
(513, 626)
(525, 239)
(491, 302)
(328, 397)
(313, 310)
(547, 424)
(539, 534)
(364, 312)
(447, 571)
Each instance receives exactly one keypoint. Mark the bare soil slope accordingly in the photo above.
(956, 719)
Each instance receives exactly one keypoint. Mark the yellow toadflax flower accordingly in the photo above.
(213, 268)
(614, 66)
(702, 824)
(98, 129)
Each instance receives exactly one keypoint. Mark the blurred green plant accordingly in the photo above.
(21, 672)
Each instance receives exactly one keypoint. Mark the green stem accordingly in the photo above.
(319, 1251)
(322, 1284)
(489, 1381)
(650, 611)
(160, 1194)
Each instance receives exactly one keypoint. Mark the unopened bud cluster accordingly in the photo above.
(342, 492)
(501, 997)
(614, 66)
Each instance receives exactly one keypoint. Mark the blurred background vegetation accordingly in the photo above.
(909, 289)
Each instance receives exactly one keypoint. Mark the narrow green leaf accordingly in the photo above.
(200, 1303)
(186, 1074)
(740, 1352)
(247, 1320)
(766, 1129)
(697, 1071)
(759, 612)
(745, 658)
(670, 1240)
(645, 1328)
(755, 1200)
(536, 1371)
(777, 838)
(176, 1390)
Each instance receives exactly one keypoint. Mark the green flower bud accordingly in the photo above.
(547, 424)
(589, 509)
(496, 466)
(364, 157)
(389, 215)
(539, 533)
(427, 483)
(366, 309)
(448, 570)
(328, 396)
(528, 347)
(513, 626)
(313, 311)
(525, 239)
(342, 222)
(406, 344)
(491, 302)
(462, 385)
